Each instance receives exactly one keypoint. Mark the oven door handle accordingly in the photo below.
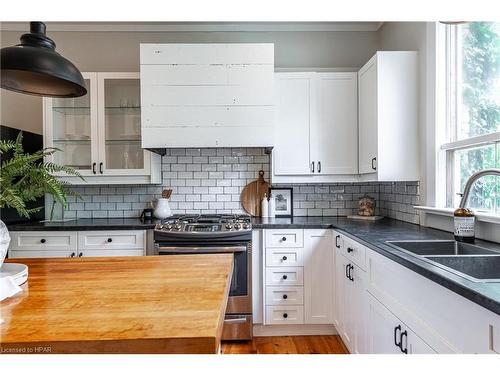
(235, 320)
(200, 249)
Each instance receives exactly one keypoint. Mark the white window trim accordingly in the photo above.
(434, 193)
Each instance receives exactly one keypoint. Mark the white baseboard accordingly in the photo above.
(294, 330)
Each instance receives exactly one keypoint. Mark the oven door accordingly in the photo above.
(240, 296)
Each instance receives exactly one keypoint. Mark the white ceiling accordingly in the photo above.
(197, 26)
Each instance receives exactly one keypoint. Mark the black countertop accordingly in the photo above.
(371, 234)
(86, 224)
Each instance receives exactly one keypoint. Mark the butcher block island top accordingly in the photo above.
(153, 304)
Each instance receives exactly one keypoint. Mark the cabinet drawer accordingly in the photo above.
(284, 276)
(284, 257)
(355, 251)
(284, 315)
(42, 254)
(113, 253)
(285, 238)
(279, 295)
(50, 241)
(112, 240)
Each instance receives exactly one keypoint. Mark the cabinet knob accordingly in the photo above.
(285, 315)
(350, 249)
(283, 239)
(72, 255)
(285, 277)
(43, 240)
(285, 296)
(80, 255)
(284, 257)
(110, 240)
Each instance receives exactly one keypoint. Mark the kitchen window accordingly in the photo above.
(472, 112)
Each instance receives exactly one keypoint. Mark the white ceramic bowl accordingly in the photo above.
(4, 241)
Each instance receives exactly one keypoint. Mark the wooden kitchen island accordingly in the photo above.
(153, 304)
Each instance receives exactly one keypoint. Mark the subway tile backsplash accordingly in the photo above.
(207, 181)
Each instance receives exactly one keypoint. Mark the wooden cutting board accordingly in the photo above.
(252, 195)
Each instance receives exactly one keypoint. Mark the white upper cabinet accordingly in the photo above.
(207, 95)
(99, 134)
(293, 112)
(334, 133)
(388, 117)
(316, 127)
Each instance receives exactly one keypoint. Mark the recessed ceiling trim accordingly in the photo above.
(199, 26)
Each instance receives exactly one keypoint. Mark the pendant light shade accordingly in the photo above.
(34, 67)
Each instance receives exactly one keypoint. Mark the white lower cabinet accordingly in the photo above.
(386, 334)
(318, 276)
(351, 304)
(298, 276)
(72, 244)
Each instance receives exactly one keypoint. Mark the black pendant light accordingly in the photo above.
(34, 67)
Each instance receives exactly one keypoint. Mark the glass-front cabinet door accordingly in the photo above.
(70, 125)
(120, 125)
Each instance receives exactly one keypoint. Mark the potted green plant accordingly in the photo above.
(26, 177)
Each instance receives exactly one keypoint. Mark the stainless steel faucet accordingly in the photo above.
(474, 178)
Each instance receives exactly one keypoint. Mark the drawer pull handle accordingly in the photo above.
(285, 277)
(285, 296)
(43, 240)
(283, 239)
(72, 255)
(337, 239)
(80, 255)
(397, 332)
(350, 249)
(110, 240)
(405, 349)
(285, 315)
(284, 258)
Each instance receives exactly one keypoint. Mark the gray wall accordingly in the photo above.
(119, 51)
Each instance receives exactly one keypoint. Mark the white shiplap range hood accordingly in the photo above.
(207, 95)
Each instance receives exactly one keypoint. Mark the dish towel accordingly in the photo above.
(8, 287)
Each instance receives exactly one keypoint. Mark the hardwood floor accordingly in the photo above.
(328, 344)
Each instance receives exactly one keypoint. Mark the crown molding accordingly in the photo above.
(197, 26)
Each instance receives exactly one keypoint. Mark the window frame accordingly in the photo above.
(451, 116)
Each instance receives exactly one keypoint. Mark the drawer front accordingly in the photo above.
(284, 276)
(355, 251)
(280, 295)
(285, 238)
(113, 253)
(42, 254)
(284, 315)
(111, 240)
(284, 257)
(37, 241)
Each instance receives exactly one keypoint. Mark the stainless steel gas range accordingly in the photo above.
(207, 234)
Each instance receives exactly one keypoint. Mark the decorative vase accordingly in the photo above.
(4, 241)
(162, 209)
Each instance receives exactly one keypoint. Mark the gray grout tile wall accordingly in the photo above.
(207, 181)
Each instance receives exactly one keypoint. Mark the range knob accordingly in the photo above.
(237, 226)
(246, 226)
(169, 227)
(161, 226)
(229, 226)
(178, 227)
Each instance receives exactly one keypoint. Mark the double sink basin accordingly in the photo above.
(473, 262)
